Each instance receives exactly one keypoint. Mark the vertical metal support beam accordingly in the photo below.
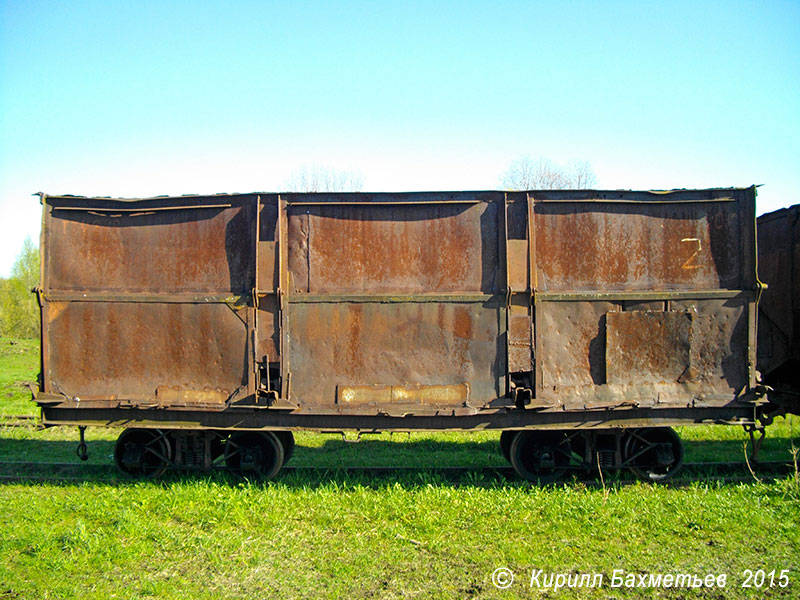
(534, 284)
(503, 245)
(254, 331)
(749, 249)
(533, 272)
(283, 292)
(529, 288)
(752, 321)
(44, 339)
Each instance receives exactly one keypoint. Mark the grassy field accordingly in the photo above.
(329, 534)
(19, 365)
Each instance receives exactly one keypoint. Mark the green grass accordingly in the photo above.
(329, 534)
(19, 365)
(201, 538)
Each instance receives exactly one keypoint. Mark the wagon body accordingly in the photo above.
(403, 311)
(779, 305)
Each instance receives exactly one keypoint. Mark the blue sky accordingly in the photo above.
(148, 98)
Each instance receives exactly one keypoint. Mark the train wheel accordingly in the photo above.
(505, 443)
(540, 456)
(143, 452)
(653, 454)
(257, 453)
(287, 441)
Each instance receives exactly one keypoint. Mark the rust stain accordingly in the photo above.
(375, 249)
(648, 347)
(637, 247)
(462, 323)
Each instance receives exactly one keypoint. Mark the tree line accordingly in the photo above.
(524, 173)
(19, 307)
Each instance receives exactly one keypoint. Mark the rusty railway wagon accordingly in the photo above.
(779, 307)
(582, 324)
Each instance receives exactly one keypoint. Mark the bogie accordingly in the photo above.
(149, 452)
(544, 456)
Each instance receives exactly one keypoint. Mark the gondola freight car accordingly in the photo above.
(583, 324)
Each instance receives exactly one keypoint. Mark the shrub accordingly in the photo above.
(19, 308)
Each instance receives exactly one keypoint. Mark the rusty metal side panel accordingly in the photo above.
(385, 248)
(696, 351)
(137, 299)
(127, 351)
(571, 345)
(598, 257)
(152, 246)
(720, 330)
(598, 245)
(648, 346)
(402, 344)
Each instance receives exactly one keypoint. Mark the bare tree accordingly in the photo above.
(324, 179)
(542, 174)
(581, 174)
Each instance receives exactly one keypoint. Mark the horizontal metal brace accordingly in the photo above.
(628, 201)
(58, 296)
(648, 295)
(496, 419)
(376, 202)
(391, 298)
(139, 209)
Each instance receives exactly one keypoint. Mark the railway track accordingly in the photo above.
(21, 421)
(724, 472)
(708, 471)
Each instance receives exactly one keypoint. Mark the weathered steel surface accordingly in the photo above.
(393, 344)
(505, 419)
(137, 299)
(571, 345)
(340, 249)
(601, 255)
(606, 245)
(106, 247)
(177, 396)
(375, 306)
(719, 350)
(405, 396)
(269, 328)
(520, 336)
(779, 308)
(648, 346)
(125, 351)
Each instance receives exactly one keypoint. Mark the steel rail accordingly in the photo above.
(594, 484)
(758, 467)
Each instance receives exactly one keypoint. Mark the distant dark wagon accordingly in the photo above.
(580, 323)
(779, 306)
